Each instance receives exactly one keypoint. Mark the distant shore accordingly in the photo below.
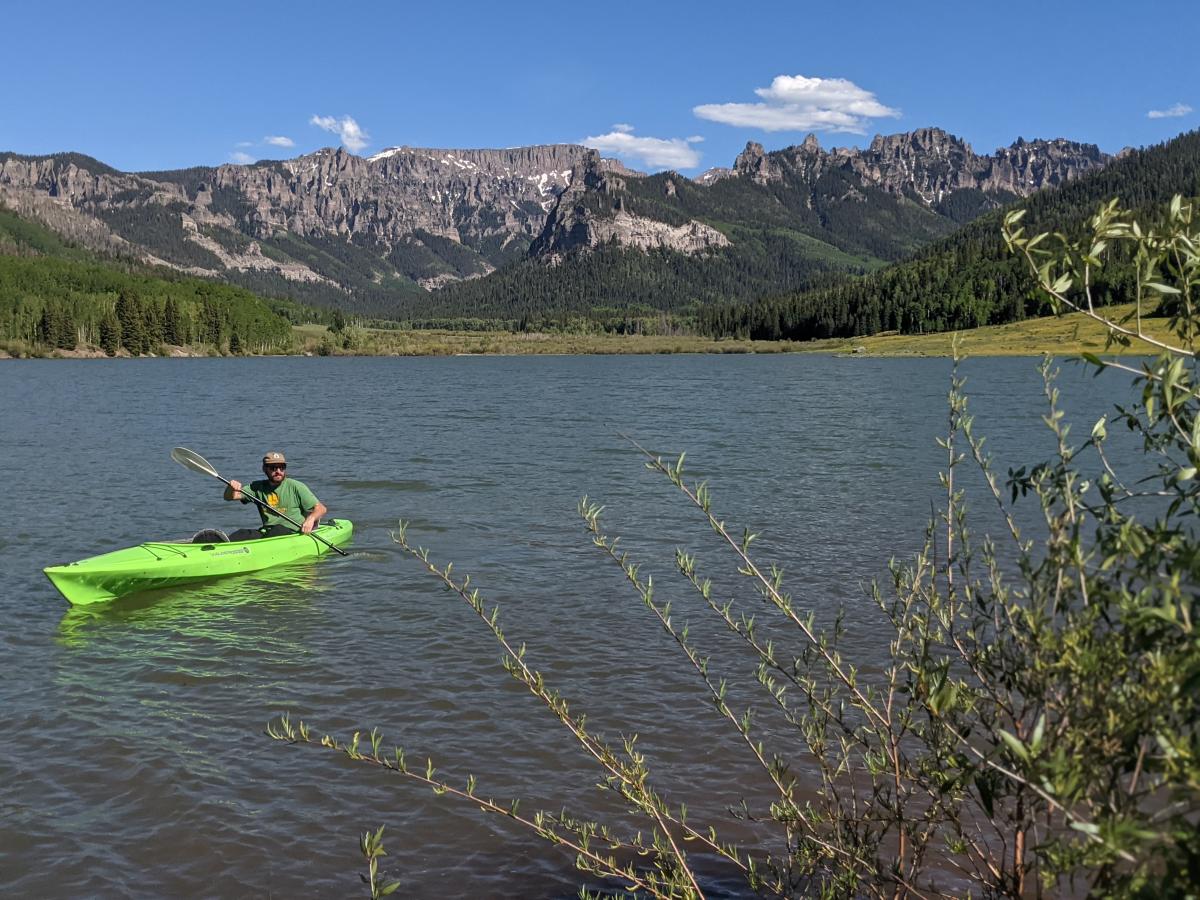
(1069, 335)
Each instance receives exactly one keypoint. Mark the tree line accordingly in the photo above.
(56, 303)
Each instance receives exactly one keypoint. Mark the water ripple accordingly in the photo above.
(135, 762)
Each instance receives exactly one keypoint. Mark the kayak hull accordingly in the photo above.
(164, 564)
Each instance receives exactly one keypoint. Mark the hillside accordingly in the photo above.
(968, 279)
(54, 295)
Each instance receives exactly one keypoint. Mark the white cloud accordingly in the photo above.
(279, 141)
(352, 136)
(242, 159)
(1179, 109)
(797, 103)
(667, 153)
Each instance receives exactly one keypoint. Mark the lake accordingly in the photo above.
(134, 758)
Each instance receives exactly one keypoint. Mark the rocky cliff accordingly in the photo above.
(463, 195)
(930, 168)
(438, 213)
(334, 227)
(593, 211)
(928, 164)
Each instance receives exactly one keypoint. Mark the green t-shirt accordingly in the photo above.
(292, 498)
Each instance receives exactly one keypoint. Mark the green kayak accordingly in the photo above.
(160, 564)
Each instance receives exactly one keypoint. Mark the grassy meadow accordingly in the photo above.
(1068, 335)
(387, 342)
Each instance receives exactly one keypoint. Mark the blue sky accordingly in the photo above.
(144, 86)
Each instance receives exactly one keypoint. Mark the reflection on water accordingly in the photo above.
(198, 609)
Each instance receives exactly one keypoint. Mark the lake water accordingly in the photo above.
(132, 755)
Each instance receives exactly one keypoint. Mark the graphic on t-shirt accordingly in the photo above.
(273, 499)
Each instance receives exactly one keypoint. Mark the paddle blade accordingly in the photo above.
(193, 461)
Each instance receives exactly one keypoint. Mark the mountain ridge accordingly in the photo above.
(380, 233)
(969, 278)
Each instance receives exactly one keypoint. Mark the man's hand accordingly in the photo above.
(308, 525)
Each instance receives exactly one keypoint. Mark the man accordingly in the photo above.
(291, 497)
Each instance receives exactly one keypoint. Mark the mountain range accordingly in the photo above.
(410, 231)
(970, 278)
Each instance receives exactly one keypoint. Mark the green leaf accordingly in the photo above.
(1160, 288)
(1014, 744)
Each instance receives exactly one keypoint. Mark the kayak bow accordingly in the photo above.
(161, 564)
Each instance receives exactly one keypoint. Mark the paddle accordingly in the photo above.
(197, 463)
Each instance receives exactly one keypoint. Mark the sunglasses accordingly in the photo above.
(271, 466)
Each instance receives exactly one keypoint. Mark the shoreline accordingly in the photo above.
(1029, 353)
(1068, 335)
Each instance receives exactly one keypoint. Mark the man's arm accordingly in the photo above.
(233, 490)
(312, 508)
(311, 520)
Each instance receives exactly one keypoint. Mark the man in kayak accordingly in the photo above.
(291, 497)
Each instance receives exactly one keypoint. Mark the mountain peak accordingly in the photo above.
(755, 164)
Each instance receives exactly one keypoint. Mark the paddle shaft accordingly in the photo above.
(281, 515)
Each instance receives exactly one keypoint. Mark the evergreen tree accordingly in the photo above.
(133, 326)
(110, 334)
(172, 326)
(66, 334)
(152, 318)
(45, 327)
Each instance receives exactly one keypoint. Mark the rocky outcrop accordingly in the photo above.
(61, 217)
(1038, 164)
(82, 183)
(467, 196)
(479, 199)
(250, 260)
(628, 230)
(755, 164)
(928, 164)
(715, 174)
(593, 212)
